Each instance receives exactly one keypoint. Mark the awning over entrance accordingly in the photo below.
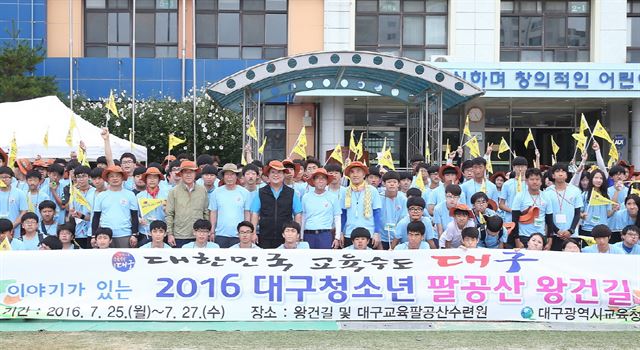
(381, 74)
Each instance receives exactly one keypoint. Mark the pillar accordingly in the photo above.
(331, 124)
(635, 127)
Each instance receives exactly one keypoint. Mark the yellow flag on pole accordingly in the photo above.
(72, 125)
(149, 204)
(78, 197)
(387, 160)
(504, 147)
(597, 199)
(554, 146)
(360, 148)
(264, 143)
(489, 165)
(581, 141)
(474, 147)
(613, 155)
(5, 245)
(243, 161)
(174, 141)
(252, 132)
(2, 184)
(337, 154)
(528, 139)
(300, 147)
(45, 140)
(583, 124)
(352, 143)
(635, 191)
(466, 130)
(420, 181)
(13, 151)
(111, 105)
(82, 157)
(601, 132)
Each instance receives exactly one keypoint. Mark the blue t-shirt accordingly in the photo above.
(393, 210)
(44, 187)
(564, 204)
(13, 202)
(17, 244)
(622, 195)
(83, 227)
(150, 245)
(594, 249)
(301, 245)
(237, 246)
(355, 213)
(230, 206)
(155, 214)
(620, 248)
(405, 246)
(471, 187)
(596, 214)
(438, 196)
(524, 200)
(493, 241)
(441, 215)
(34, 200)
(351, 247)
(320, 210)
(340, 193)
(401, 229)
(509, 192)
(210, 245)
(620, 220)
(30, 244)
(115, 208)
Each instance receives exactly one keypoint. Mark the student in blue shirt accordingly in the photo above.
(321, 212)
(624, 217)
(97, 181)
(566, 202)
(618, 192)
(361, 206)
(531, 209)
(601, 233)
(360, 237)
(245, 233)
(335, 186)
(415, 206)
(422, 170)
(48, 225)
(470, 237)
(201, 230)
(629, 244)
(250, 177)
(66, 234)
(55, 190)
(449, 175)
(117, 209)
(479, 183)
(35, 196)
(493, 234)
(415, 237)
(481, 208)
(50, 243)
(208, 178)
(31, 238)
(434, 182)
(158, 234)
(103, 238)
(374, 177)
(151, 177)
(128, 163)
(394, 207)
(511, 188)
(441, 217)
(81, 210)
(405, 181)
(593, 215)
(291, 235)
(13, 202)
(228, 206)
(6, 232)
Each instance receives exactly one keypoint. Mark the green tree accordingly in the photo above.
(18, 61)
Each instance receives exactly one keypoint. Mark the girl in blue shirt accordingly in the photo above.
(624, 217)
(593, 215)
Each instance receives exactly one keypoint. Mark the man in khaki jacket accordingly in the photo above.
(187, 202)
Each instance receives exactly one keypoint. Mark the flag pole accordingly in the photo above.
(193, 60)
(133, 78)
(70, 56)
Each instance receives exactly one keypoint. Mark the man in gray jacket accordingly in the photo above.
(187, 202)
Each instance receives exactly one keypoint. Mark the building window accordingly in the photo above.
(249, 29)
(108, 31)
(633, 31)
(544, 31)
(415, 29)
(275, 120)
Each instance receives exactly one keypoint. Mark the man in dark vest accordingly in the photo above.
(274, 205)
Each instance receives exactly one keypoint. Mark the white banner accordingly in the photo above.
(278, 285)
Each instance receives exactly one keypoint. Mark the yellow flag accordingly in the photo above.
(174, 141)
(13, 152)
(613, 155)
(300, 147)
(588, 240)
(384, 145)
(597, 199)
(360, 148)
(243, 161)
(420, 181)
(554, 146)
(583, 124)
(264, 143)
(601, 132)
(481, 219)
(504, 147)
(352, 143)
(337, 154)
(45, 140)
(581, 141)
(528, 139)
(72, 125)
(252, 132)
(489, 166)
(82, 157)
(466, 130)
(387, 160)
(474, 147)
(2, 184)
(111, 105)
(5, 245)
(148, 204)
(78, 197)
(635, 191)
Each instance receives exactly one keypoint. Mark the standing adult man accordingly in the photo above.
(228, 205)
(274, 206)
(321, 212)
(186, 203)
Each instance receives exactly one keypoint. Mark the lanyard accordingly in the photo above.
(560, 199)
(535, 200)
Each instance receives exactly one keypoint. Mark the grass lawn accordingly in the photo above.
(379, 340)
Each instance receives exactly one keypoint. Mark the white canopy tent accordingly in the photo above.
(30, 119)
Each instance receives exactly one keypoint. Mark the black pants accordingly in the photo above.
(269, 242)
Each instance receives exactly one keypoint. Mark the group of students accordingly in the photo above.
(303, 204)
